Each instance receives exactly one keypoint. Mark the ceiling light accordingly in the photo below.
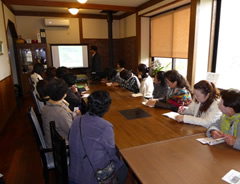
(73, 11)
(82, 1)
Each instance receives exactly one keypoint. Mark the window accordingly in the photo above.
(227, 50)
(169, 39)
(170, 63)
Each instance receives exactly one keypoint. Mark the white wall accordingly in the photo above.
(8, 16)
(98, 28)
(128, 26)
(145, 36)
(5, 70)
(29, 26)
(202, 39)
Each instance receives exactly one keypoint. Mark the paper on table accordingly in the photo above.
(210, 141)
(171, 115)
(145, 103)
(85, 95)
(136, 94)
(232, 177)
(109, 83)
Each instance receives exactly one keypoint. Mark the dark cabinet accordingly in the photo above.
(28, 55)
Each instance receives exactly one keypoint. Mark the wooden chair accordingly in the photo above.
(45, 153)
(59, 155)
(38, 107)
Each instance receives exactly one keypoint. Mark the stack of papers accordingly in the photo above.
(210, 141)
(171, 115)
(232, 177)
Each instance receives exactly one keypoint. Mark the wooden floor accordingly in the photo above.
(19, 156)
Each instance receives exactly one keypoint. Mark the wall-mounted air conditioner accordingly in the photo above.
(57, 22)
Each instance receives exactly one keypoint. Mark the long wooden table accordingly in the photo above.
(130, 133)
(182, 161)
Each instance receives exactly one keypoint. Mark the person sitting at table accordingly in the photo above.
(92, 144)
(56, 110)
(73, 97)
(50, 73)
(42, 90)
(160, 86)
(204, 109)
(179, 94)
(130, 82)
(37, 73)
(61, 71)
(146, 86)
(228, 127)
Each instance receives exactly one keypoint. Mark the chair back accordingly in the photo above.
(46, 157)
(38, 104)
(59, 155)
(45, 153)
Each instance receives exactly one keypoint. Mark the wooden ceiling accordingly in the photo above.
(92, 7)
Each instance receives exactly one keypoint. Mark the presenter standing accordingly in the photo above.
(96, 70)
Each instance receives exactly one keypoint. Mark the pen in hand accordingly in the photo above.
(182, 108)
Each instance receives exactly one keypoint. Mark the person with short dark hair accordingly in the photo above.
(37, 72)
(204, 109)
(96, 68)
(61, 71)
(42, 90)
(73, 97)
(50, 73)
(146, 87)
(228, 127)
(92, 140)
(160, 86)
(131, 82)
(56, 110)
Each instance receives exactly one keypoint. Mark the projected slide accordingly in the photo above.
(70, 56)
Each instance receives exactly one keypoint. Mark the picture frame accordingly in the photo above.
(1, 48)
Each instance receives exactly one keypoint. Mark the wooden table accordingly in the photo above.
(130, 133)
(182, 161)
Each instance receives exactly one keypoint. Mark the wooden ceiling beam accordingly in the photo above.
(69, 5)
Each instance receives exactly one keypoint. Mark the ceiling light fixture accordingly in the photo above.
(82, 1)
(73, 11)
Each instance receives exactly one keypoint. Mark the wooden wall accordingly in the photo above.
(125, 49)
(7, 100)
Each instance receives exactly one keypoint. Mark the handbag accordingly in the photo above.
(107, 175)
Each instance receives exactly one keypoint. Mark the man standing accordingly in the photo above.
(96, 70)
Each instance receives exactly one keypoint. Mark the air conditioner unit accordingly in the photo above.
(57, 22)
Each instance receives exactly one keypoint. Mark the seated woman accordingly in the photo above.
(56, 110)
(50, 73)
(178, 95)
(146, 86)
(228, 127)
(42, 90)
(73, 97)
(204, 109)
(160, 86)
(37, 72)
(92, 143)
(130, 82)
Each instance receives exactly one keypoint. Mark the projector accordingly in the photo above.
(82, 78)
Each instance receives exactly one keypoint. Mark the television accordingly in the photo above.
(69, 55)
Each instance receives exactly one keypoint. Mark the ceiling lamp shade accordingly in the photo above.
(73, 11)
(82, 1)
